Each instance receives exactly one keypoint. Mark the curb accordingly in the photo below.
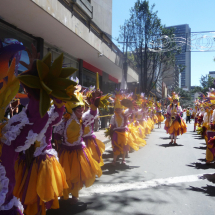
(106, 141)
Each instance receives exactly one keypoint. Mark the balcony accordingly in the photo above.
(85, 6)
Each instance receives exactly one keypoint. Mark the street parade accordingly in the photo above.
(94, 124)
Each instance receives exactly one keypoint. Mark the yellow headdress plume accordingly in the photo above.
(51, 80)
(117, 103)
(70, 105)
(174, 97)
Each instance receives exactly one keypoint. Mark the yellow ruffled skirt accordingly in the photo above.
(96, 149)
(175, 128)
(160, 118)
(155, 119)
(39, 186)
(151, 124)
(136, 136)
(145, 124)
(80, 169)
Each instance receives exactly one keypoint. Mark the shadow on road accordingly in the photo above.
(165, 138)
(119, 203)
(169, 145)
(198, 138)
(202, 165)
(109, 169)
(208, 190)
(209, 177)
(201, 147)
(67, 209)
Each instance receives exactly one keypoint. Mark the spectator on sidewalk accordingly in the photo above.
(188, 115)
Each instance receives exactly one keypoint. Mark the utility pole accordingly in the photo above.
(125, 64)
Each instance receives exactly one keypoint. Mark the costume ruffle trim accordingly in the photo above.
(32, 137)
(41, 137)
(13, 202)
(4, 181)
(88, 118)
(10, 132)
(59, 129)
(51, 152)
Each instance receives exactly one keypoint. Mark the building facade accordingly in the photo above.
(183, 60)
(212, 74)
(80, 29)
(171, 77)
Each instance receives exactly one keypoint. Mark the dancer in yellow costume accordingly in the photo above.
(95, 146)
(174, 124)
(118, 131)
(40, 179)
(136, 130)
(145, 122)
(159, 114)
(195, 114)
(76, 159)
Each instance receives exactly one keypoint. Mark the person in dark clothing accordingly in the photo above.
(188, 115)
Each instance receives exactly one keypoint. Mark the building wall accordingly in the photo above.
(212, 74)
(184, 59)
(171, 77)
(102, 15)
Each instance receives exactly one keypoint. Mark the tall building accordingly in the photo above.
(183, 60)
(212, 74)
(171, 77)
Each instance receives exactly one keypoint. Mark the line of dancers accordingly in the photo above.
(204, 120)
(33, 173)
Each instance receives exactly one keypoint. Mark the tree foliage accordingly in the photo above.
(185, 97)
(206, 82)
(141, 30)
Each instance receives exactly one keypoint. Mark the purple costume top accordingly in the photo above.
(21, 131)
(60, 130)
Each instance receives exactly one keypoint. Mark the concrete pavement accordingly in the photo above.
(158, 179)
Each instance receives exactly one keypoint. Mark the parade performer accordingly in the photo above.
(95, 146)
(195, 114)
(40, 179)
(174, 124)
(210, 132)
(210, 150)
(206, 119)
(200, 115)
(9, 86)
(145, 122)
(159, 114)
(134, 126)
(76, 159)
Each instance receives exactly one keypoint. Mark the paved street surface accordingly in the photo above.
(158, 179)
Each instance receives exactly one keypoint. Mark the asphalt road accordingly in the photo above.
(158, 179)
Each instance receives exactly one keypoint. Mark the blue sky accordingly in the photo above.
(199, 14)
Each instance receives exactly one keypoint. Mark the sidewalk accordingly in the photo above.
(101, 136)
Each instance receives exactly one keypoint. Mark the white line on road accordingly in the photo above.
(108, 188)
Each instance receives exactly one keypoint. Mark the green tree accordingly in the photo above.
(206, 82)
(185, 97)
(141, 30)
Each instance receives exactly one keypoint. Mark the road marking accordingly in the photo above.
(108, 147)
(109, 188)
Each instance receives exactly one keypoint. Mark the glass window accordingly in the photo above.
(9, 32)
(89, 78)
